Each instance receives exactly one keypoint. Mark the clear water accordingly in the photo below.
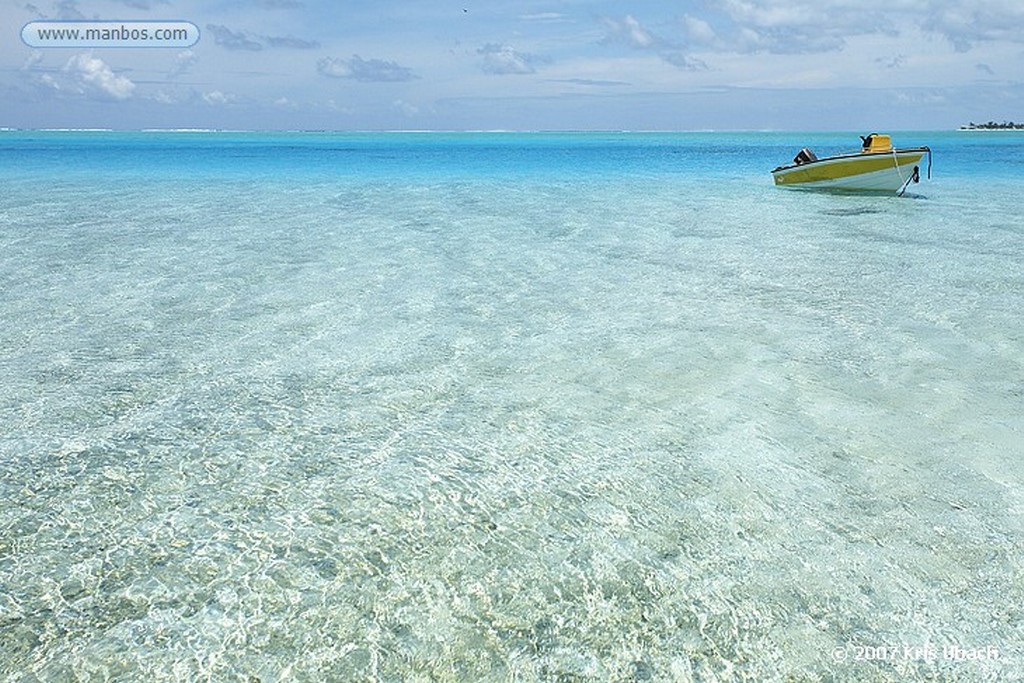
(561, 407)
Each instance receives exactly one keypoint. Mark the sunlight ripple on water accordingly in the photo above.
(499, 421)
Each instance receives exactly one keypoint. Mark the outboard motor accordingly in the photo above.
(804, 156)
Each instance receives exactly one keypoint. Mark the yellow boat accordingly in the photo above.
(878, 167)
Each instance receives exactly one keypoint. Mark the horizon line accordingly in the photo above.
(447, 131)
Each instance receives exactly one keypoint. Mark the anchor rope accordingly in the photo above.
(914, 177)
(896, 163)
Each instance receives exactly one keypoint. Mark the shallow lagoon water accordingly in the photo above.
(506, 407)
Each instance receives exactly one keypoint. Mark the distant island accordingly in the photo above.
(992, 125)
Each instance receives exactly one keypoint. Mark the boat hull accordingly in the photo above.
(865, 172)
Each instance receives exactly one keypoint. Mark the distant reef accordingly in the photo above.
(992, 125)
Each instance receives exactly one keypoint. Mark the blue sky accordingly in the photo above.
(527, 64)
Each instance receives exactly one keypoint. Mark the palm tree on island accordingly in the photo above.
(992, 125)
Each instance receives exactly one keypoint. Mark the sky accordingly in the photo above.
(525, 65)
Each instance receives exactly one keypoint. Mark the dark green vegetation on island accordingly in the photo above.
(992, 125)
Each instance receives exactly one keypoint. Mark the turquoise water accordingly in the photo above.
(555, 407)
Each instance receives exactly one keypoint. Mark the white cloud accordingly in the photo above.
(143, 4)
(441, 54)
(698, 31)
(892, 62)
(796, 26)
(34, 59)
(241, 40)
(183, 63)
(68, 9)
(683, 61)
(775, 13)
(290, 42)
(965, 24)
(503, 59)
(164, 97)
(630, 32)
(51, 82)
(334, 68)
(543, 16)
(232, 40)
(216, 98)
(367, 70)
(92, 75)
(808, 26)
